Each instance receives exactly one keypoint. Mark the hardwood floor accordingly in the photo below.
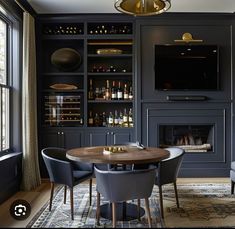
(38, 197)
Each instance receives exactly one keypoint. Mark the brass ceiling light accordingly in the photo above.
(142, 7)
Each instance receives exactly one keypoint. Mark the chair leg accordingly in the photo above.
(114, 214)
(148, 212)
(51, 197)
(71, 202)
(138, 203)
(176, 195)
(65, 193)
(98, 209)
(161, 202)
(232, 187)
(90, 190)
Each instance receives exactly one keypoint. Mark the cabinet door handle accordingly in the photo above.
(108, 133)
(58, 133)
(112, 133)
(62, 133)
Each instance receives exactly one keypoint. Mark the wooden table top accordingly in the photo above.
(131, 155)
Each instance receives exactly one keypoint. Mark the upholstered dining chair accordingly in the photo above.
(68, 173)
(120, 186)
(232, 176)
(167, 172)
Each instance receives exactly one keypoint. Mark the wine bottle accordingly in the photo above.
(130, 94)
(90, 119)
(125, 119)
(104, 123)
(114, 92)
(119, 91)
(115, 118)
(91, 91)
(96, 120)
(126, 94)
(107, 91)
(120, 120)
(110, 120)
(130, 118)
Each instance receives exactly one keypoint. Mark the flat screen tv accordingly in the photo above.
(186, 67)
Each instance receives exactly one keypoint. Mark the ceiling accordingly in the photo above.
(107, 6)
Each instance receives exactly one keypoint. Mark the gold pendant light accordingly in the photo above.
(142, 7)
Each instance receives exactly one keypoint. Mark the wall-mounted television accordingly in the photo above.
(187, 67)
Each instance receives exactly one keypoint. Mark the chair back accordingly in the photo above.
(58, 166)
(125, 185)
(168, 169)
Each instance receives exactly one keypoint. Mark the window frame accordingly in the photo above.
(13, 77)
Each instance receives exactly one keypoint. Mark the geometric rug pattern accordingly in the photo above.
(201, 205)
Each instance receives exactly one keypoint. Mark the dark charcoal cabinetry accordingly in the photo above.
(108, 137)
(81, 64)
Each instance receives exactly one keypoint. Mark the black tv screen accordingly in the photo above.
(186, 67)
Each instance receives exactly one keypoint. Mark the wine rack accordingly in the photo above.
(109, 28)
(63, 110)
(63, 29)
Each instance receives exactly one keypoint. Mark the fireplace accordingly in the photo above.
(191, 138)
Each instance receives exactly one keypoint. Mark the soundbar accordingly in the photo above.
(186, 98)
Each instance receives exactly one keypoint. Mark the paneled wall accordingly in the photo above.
(155, 109)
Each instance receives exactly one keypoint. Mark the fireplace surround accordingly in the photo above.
(202, 129)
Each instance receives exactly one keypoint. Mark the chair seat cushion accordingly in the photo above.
(233, 165)
(80, 176)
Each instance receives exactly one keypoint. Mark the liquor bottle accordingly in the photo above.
(104, 122)
(130, 93)
(130, 118)
(91, 92)
(96, 120)
(114, 92)
(110, 120)
(125, 119)
(120, 120)
(107, 91)
(90, 119)
(116, 118)
(119, 91)
(126, 93)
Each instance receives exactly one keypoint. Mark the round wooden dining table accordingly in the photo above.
(128, 156)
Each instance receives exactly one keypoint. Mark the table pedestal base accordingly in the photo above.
(124, 211)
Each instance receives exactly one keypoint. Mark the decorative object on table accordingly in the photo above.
(109, 51)
(66, 59)
(202, 205)
(62, 86)
(113, 149)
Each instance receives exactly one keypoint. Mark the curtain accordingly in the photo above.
(31, 174)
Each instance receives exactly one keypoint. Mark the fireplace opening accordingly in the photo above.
(191, 138)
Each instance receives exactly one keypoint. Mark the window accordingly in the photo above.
(4, 86)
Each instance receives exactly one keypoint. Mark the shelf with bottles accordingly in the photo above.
(113, 28)
(110, 91)
(117, 117)
(64, 29)
(63, 109)
(110, 66)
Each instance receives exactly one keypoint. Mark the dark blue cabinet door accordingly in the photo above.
(98, 138)
(72, 139)
(121, 137)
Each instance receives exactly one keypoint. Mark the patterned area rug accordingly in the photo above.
(201, 205)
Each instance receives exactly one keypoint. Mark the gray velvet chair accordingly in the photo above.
(167, 172)
(63, 171)
(232, 176)
(120, 186)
